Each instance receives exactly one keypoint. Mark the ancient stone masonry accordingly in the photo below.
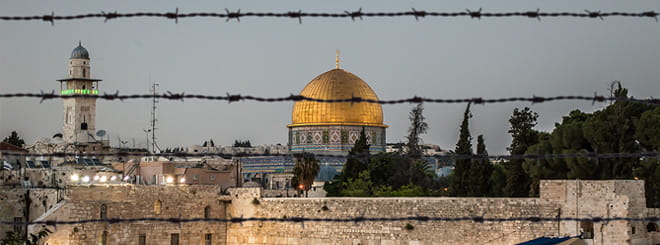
(24, 204)
(126, 202)
(558, 199)
(396, 232)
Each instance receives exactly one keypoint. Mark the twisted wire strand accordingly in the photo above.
(348, 14)
(476, 219)
(238, 97)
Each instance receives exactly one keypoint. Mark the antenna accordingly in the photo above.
(154, 146)
(122, 144)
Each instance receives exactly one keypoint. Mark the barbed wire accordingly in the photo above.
(476, 219)
(238, 97)
(592, 155)
(348, 14)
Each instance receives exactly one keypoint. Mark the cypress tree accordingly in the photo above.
(459, 180)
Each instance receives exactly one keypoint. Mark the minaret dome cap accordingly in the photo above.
(79, 52)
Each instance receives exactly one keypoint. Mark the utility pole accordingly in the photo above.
(153, 118)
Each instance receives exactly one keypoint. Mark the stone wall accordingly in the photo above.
(389, 232)
(127, 202)
(13, 204)
(559, 198)
(601, 198)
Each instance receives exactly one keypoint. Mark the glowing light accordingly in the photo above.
(85, 179)
(169, 179)
(126, 178)
(75, 177)
(113, 178)
(96, 177)
(103, 179)
(182, 180)
(78, 91)
(301, 186)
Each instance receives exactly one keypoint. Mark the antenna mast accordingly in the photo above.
(153, 118)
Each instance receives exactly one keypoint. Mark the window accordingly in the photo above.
(104, 238)
(208, 239)
(652, 227)
(195, 177)
(212, 177)
(142, 239)
(157, 206)
(587, 229)
(344, 137)
(633, 229)
(326, 137)
(207, 212)
(104, 212)
(174, 239)
(18, 227)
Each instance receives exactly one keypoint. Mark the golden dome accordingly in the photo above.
(337, 84)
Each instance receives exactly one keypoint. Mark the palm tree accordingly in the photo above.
(305, 171)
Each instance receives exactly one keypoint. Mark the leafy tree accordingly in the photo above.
(460, 178)
(417, 128)
(206, 143)
(357, 161)
(211, 143)
(14, 139)
(361, 186)
(497, 180)
(241, 143)
(305, 171)
(16, 238)
(648, 129)
(612, 130)
(521, 130)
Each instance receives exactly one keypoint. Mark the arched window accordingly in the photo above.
(157, 206)
(104, 212)
(207, 212)
(652, 227)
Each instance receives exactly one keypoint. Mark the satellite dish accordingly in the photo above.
(100, 133)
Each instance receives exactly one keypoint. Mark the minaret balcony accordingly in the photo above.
(78, 91)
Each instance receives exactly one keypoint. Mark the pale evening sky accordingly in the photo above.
(397, 57)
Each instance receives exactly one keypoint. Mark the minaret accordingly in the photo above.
(79, 113)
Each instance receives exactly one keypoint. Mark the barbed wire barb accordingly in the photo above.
(233, 15)
(474, 14)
